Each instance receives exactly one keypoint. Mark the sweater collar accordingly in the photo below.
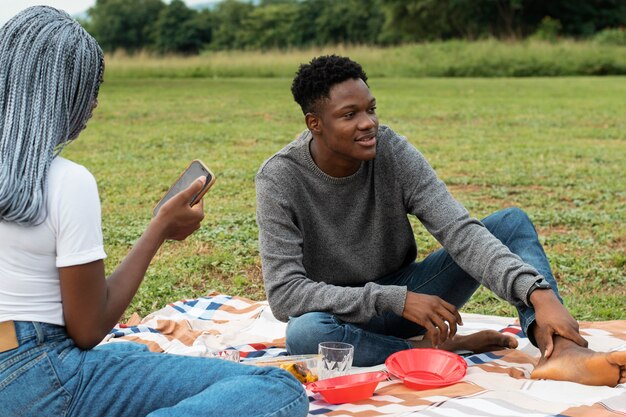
(305, 150)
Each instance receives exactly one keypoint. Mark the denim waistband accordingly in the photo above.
(26, 330)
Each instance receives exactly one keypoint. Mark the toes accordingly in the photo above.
(512, 342)
(585, 368)
(505, 340)
(622, 374)
(617, 358)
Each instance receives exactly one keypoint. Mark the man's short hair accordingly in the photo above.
(314, 80)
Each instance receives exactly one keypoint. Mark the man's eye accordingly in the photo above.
(372, 109)
(349, 115)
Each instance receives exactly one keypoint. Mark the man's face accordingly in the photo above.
(345, 126)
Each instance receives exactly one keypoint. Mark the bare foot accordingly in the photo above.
(574, 363)
(483, 341)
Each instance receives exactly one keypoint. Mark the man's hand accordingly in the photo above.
(552, 318)
(437, 316)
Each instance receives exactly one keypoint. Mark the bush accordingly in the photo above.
(611, 36)
(548, 30)
(485, 58)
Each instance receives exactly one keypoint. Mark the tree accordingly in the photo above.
(578, 17)
(418, 20)
(176, 30)
(271, 26)
(228, 19)
(413, 20)
(125, 24)
(203, 21)
(349, 21)
(305, 26)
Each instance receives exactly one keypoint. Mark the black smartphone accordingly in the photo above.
(195, 170)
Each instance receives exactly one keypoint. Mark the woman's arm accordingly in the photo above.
(93, 304)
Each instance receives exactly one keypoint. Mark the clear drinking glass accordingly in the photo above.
(335, 359)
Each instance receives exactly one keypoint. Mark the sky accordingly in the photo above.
(9, 8)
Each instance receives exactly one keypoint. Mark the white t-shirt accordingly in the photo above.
(30, 256)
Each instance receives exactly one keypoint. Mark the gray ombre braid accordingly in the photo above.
(50, 73)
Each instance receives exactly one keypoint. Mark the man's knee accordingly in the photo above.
(506, 222)
(516, 214)
(305, 332)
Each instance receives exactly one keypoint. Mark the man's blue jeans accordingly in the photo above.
(47, 375)
(437, 275)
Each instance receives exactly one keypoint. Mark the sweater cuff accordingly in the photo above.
(522, 284)
(394, 297)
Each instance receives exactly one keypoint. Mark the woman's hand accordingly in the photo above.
(437, 316)
(552, 318)
(177, 219)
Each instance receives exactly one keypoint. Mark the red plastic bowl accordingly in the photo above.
(426, 368)
(348, 388)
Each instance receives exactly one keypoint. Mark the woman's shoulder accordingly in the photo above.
(61, 167)
(65, 174)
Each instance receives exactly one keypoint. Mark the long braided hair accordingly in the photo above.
(50, 73)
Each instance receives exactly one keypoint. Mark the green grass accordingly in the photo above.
(485, 58)
(553, 146)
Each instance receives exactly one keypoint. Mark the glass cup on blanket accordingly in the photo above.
(335, 359)
(228, 355)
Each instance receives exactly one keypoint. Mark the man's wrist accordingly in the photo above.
(540, 285)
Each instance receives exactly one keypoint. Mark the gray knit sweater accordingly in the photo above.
(324, 240)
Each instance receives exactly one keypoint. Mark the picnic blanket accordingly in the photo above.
(496, 384)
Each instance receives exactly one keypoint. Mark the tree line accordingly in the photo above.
(154, 25)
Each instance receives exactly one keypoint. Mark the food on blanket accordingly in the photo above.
(303, 367)
(300, 371)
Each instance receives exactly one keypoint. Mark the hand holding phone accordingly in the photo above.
(195, 170)
(177, 219)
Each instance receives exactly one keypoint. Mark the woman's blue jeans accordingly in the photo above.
(47, 375)
(437, 275)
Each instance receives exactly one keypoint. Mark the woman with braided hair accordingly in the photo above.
(55, 303)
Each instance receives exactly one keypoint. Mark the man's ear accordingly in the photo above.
(313, 122)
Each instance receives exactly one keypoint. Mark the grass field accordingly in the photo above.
(454, 58)
(553, 146)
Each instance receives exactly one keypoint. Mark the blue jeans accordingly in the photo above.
(437, 275)
(47, 375)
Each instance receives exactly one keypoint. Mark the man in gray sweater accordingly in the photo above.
(339, 254)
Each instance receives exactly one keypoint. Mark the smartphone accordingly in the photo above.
(194, 170)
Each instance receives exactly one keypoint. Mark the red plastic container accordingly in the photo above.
(348, 388)
(422, 369)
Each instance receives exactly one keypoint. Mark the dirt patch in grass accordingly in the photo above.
(552, 230)
(466, 188)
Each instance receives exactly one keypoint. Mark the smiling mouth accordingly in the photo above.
(366, 138)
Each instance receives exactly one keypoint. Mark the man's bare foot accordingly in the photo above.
(479, 342)
(570, 362)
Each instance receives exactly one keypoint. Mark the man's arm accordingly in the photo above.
(478, 252)
(466, 239)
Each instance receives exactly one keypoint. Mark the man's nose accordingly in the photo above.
(368, 121)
